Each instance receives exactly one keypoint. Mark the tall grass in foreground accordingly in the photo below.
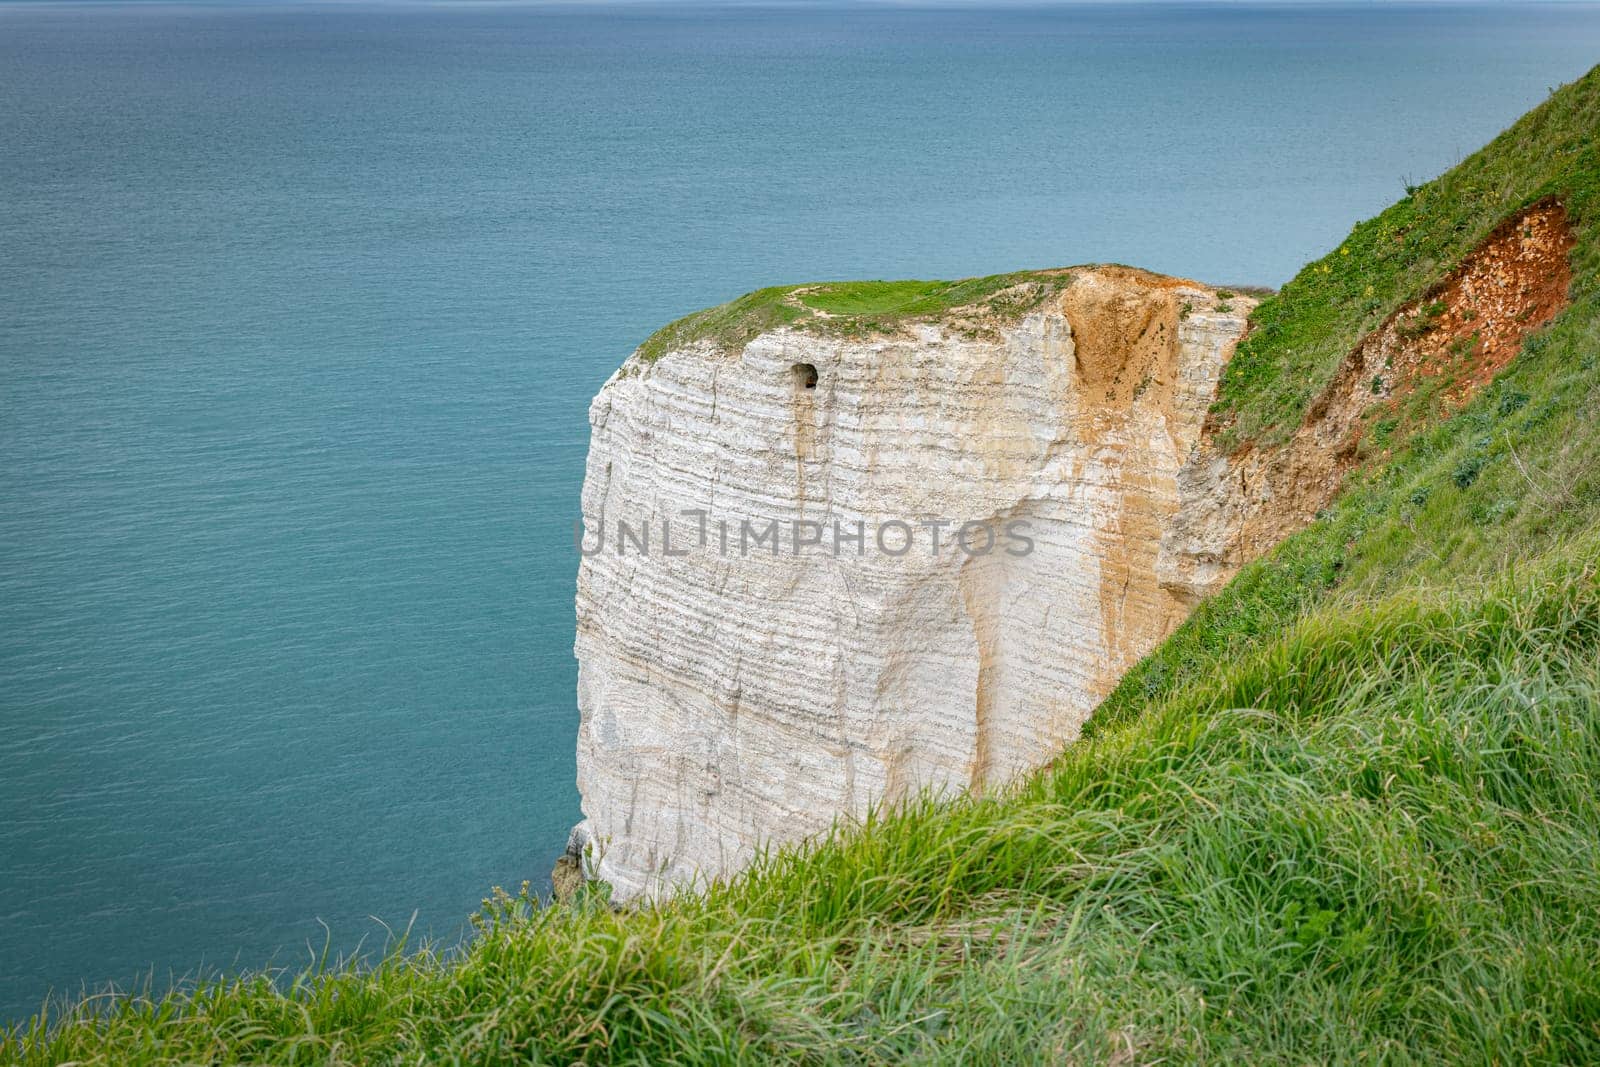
(1376, 837)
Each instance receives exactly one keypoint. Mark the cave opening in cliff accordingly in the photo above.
(805, 374)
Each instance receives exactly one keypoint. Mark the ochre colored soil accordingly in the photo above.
(1422, 364)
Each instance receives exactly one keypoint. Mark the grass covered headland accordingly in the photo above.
(1349, 812)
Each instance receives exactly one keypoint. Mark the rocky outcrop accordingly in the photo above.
(831, 565)
(825, 571)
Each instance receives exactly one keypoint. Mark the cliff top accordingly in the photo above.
(860, 309)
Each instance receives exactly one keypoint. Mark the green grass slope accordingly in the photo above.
(1348, 813)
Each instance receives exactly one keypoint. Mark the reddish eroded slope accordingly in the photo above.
(1457, 337)
(1422, 364)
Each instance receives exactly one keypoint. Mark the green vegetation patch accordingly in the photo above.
(855, 309)
(732, 325)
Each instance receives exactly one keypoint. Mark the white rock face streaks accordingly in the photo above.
(734, 696)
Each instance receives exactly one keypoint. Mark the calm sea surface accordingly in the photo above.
(301, 309)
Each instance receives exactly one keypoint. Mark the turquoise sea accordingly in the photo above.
(301, 308)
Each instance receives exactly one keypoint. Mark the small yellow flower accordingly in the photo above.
(1344, 251)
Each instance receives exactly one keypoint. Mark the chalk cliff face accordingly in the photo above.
(736, 691)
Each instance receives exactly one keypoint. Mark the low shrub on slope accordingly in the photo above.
(1350, 812)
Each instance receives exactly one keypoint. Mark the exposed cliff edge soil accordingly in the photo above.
(1422, 364)
(1466, 329)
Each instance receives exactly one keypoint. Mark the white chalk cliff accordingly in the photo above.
(732, 696)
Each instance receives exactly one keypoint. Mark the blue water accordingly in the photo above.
(301, 309)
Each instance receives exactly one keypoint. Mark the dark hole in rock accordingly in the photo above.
(806, 374)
